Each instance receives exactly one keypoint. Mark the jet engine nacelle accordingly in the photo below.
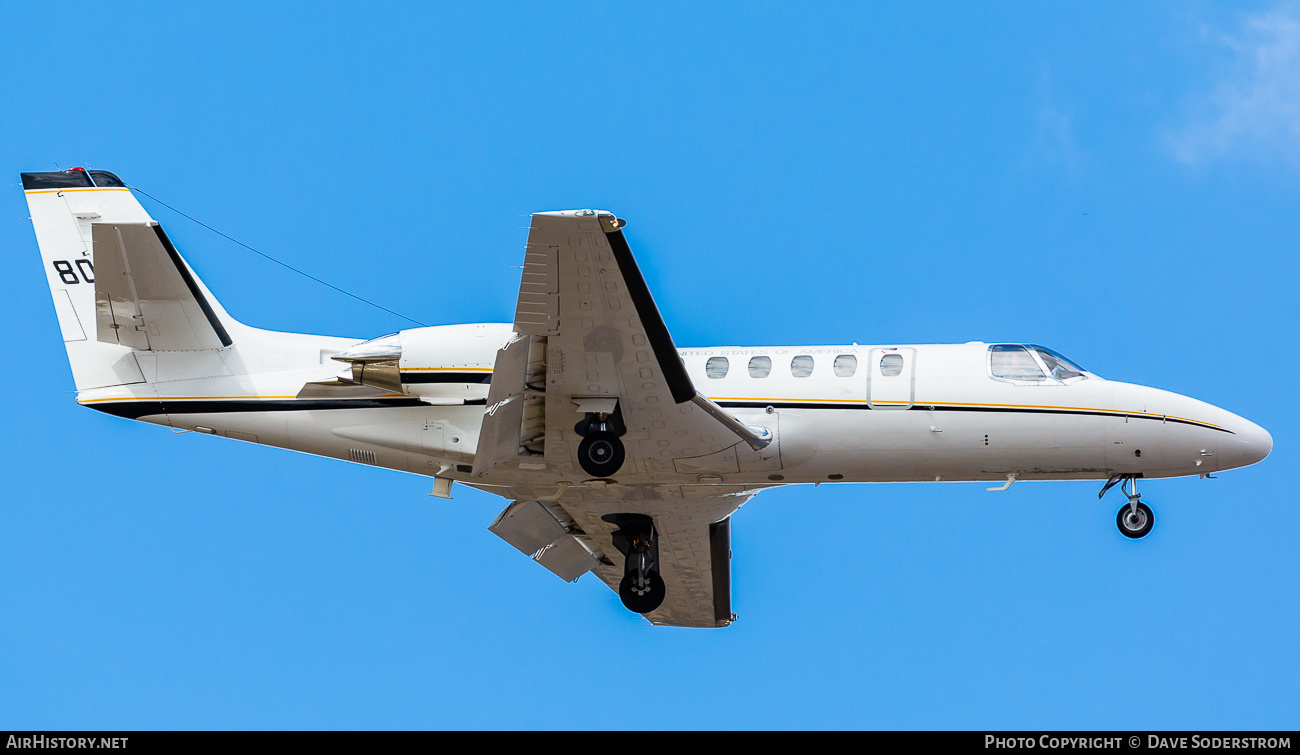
(445, 362)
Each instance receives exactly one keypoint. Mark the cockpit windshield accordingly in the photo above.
(1029, 363)
(1058, 366)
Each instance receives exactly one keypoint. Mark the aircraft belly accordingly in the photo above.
(423, 440)
(266, 428)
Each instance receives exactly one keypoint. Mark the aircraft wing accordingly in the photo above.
(591, 340)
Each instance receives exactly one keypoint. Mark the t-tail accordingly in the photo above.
(127, 304)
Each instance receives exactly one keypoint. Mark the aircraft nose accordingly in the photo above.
(1249, 444)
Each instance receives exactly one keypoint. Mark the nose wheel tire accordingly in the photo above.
(645, 599)
(1135, 524)
(601, 454)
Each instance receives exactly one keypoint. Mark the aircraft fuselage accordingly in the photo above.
(942, 417)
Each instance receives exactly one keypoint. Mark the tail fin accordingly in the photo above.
(118, 284)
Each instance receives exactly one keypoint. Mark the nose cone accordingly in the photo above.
(1250, 443)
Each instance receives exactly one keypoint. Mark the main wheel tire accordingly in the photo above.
(646, 602)
(1135, 525)
(601, 454)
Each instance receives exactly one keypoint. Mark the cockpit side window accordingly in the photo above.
(1014, 362)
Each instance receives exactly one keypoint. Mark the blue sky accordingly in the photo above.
(1119, 181)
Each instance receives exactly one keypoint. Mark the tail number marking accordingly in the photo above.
(69, 276)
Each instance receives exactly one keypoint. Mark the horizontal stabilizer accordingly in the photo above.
(145, 296)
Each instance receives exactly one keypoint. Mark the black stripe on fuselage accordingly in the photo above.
(786, 405)
(138, 409)
(994, 409)
(476, 378)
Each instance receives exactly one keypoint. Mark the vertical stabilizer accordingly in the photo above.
(119, 286)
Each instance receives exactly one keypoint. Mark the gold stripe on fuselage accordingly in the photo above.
(1037, 407)
(1070, 408)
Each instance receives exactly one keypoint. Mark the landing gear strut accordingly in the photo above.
(642, 589)
(1135, 518)
(601, 453)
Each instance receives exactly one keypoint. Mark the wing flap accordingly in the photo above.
(533, 529)
(514, 421)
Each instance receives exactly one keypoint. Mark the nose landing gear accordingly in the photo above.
(1135, 518)
(642, 590)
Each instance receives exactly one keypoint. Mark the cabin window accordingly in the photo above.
(716, 367)
(760, 367)
(891, 365)
(801, 366)
(845, 365)
(1011, 362)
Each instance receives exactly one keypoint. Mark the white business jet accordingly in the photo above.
(621, 454)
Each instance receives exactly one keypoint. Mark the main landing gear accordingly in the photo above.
(642, 589)
(601, 453)
(1135, 518)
